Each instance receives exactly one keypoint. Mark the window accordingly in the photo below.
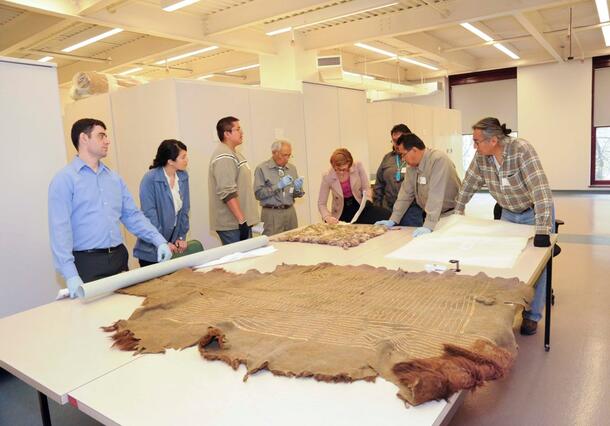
(483, 94)
(468, 150)
(602, 154)
(600, 123)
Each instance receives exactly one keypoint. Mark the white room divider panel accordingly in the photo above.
(380, 122)
(31, 131)
(143, 117)
(334, 117)
(438, 127)
(199, 107)
(323, 136)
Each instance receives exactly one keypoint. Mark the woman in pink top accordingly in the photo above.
(347, 180)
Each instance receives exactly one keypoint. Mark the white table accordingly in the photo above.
(62, 353)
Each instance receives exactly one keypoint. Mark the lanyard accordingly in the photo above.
(399, 165)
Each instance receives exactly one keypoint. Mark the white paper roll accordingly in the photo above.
(108, 285)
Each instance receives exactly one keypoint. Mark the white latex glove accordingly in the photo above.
(164, 253)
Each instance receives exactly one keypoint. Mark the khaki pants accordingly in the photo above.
(278, 220)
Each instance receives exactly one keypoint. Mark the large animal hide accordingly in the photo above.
(430, 334)
(343, 235)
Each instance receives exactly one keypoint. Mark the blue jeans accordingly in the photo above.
(414, 216)
(228, 237)
(528, 217)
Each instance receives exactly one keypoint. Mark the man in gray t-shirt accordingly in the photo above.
(276, 185)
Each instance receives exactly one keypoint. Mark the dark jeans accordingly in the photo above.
(144, 263)
(370, 214)
(230, 236)
(414, 216)
(93, 266)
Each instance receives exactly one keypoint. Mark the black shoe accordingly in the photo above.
(528, 327)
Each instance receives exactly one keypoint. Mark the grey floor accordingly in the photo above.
(19, 406)
(570, 385)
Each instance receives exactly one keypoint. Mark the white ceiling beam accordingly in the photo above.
(254, 12)
(149, 19)
(432, 47)
(532, 22)
(339, 9)
(139, 50)
(22, 30)
(419, 19)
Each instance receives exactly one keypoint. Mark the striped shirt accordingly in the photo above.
(518, 185)
(229, 176)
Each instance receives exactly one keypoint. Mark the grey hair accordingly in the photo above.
(278, 144)
(490, 126)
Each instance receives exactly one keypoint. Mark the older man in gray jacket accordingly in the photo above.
(276, 185)
(431, 181)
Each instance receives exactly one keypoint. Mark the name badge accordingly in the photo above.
(421, 180)
(403, 170)
(505, 182)
(291, 190)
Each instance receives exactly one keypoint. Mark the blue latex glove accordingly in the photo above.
(163, 253)
(298, 184)
(73, 284)
(421, 231)
(284, 182)
(386, 223)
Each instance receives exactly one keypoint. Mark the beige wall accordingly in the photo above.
(554, 114)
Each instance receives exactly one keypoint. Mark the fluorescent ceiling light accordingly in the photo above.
(487, 38)
(506, 50)
(394, 55)
(45, 59)
(370, 9)
(247, 67)
(178, 5)
(602, 11)
(476, 31)
(418, 63)
(92, 40)
(355, 74)
(186, 55)
(203, 77)
(376, 50)
(131, 71)
(280, 31)
(606, 32)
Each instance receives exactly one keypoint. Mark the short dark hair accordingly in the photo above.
(225, 125)
(168, 150)
(409, 141)
(402, 128)
(84, 125)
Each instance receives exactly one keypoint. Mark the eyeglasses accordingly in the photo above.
(477, 143)
(341, 169)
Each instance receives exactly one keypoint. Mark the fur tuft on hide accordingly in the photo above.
(458, 368)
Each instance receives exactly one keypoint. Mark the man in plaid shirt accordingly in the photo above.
(514, 176)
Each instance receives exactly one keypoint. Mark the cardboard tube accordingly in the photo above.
(108, 285)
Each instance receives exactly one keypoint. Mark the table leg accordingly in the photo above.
(549, 296)
(44, 409)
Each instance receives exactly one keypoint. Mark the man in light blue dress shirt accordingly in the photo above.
(87, 202)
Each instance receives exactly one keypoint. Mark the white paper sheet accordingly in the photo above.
(362, 205)
(238, 256)
(472, 241)
(108, 285)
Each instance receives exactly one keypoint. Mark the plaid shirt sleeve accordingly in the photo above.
(472, 182)
(538, 186)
